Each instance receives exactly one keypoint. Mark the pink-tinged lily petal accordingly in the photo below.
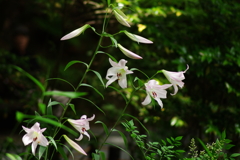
(118, 71)
(75, 145)
(34, 146)
(137, 38)
(155, 91)
(147, 100)
(175, 78)
(81, 125)
(27, 139)
(128, 53)
(79, 138)
(76, 32)
(120, 18)
(34, 135)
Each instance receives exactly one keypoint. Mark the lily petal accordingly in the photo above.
(79, 138)
(128, 53)
(34, 146)
(147, 100)
(27, 139)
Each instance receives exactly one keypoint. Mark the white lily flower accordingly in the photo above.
(34, 135)
(175, 78)
(76, 32)
(81, 125)
(128, 53)
(155, 91)
(119, 72)
(121, 17)
(137, 38)
(74, 145)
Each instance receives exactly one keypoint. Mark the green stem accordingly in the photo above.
(119, 118)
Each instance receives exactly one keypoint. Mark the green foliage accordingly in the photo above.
(154, 150)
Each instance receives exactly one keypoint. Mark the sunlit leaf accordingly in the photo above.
(138, 121)
(65, 94)
(123, 137)
(73, 108)
(41, 150)
(13, 156)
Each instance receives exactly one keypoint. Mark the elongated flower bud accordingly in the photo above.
(129, 53)
(137, 38)
(121, 17)
(76, 32)
(74, 145)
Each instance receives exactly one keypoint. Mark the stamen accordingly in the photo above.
(119, 75)
(154, 94)
(34, 139)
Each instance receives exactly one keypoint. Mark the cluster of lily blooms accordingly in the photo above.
(118, 72)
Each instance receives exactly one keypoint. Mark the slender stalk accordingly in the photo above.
(119, 118)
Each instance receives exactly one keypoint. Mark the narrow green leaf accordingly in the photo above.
(19, 116)
(63, 81)
(119, 91)
(123, 137)
(104, 127)
(135, 69)
(49, 108)
(120, 149)
(169, 141)
(61, 151)
(66, 94)
(178, 138)
(87, 85)
(96, 156)
(38, 83)
(42, 107)
(102, 154)
(74, 62)
(223, 135)
(41, 150)
(109, 2)
(53, 142)
(235, 155)
(204, 146)
(93, 104)
(228, 146)
(138, 121)
(114, 41)
(110, 56)
(99, 77)
(13, 156)
(73, 108)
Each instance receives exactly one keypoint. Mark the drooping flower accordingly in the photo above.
(175, 78)
(128, 53)
(137, 38)
(74, 145)
(119, 72)
(76, 32)
(121, 17)
(81, 125)
(34, 135)
(155, 91)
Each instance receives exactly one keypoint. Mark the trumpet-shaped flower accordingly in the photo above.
(119, 72)
(137, 38)
(34, 135)
(175, 78)
(76, 32)
(129, 53)
(121, 17)
(81, 125)
(74, 145)
(155, 91)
